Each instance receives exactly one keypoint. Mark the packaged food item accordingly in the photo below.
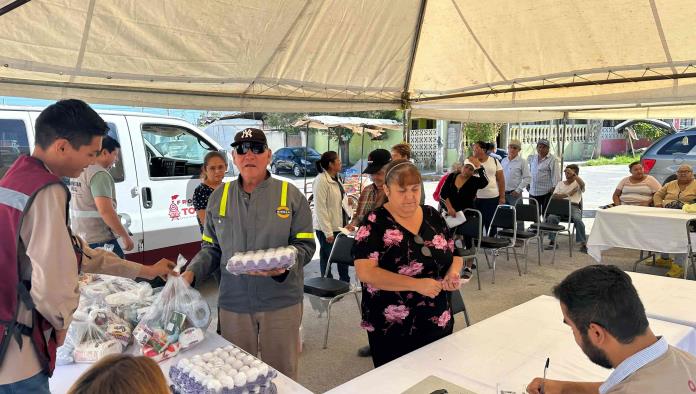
(176, 321)
(226, 370)
(262, 260)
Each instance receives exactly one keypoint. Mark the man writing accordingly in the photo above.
(39, 257)
(261, 312)
(601, 306)
(93, 203)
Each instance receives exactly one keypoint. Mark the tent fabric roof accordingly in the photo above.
(458, 59)
(357, 125)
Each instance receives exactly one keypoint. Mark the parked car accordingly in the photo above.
(156, 174)
(294, 160)
(665, 155)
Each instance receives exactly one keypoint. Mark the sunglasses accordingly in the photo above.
(255, 147)
(424, 249)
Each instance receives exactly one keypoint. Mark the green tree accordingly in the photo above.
(283, 121)
(648, 131)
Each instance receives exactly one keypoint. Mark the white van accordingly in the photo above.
(156, 174)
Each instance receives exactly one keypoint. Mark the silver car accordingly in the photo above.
(665, 155)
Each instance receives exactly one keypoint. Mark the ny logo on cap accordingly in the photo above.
(246, 134)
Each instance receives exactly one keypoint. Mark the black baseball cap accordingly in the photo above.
(250, 135)
(377, 159)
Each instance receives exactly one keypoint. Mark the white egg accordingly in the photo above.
(256, 363)
(214, 385)
(236, 364)
(229, 348)
(235, 351)
(240, 379)
(244, 368)
(252, 374)
(207, 356)
(248, 359)
(196, 357)
(227, 382)
(263, 370)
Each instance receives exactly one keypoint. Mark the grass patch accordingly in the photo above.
(606, 161)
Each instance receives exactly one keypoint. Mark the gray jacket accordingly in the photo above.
(263, 223)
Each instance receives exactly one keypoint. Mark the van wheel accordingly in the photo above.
(274, 169)
(296, 170)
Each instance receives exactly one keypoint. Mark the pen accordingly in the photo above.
(544, 379)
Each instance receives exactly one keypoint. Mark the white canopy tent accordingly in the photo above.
(502, 60)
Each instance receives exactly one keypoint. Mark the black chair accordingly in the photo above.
(504, 218)
(472, 228)
(562, 209)
(527, 210)
(458, 306)
(329, 290)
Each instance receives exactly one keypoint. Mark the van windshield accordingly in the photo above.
(174, 150)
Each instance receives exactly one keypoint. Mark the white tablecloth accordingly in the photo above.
(642, 228)
(668, 299)
(64, 376)
(509, 349)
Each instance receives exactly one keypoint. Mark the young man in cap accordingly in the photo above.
(93, 204)
(602, 308)
(39, 257)
(261, 311)
(546, 173)
(372, 196)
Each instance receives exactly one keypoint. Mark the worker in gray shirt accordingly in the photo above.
(261, 312)
(516, 171)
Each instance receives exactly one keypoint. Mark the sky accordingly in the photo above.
(189, 115)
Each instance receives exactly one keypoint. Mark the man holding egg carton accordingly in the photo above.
(260, 310)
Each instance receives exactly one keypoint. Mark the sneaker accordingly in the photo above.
(664, 263)
(551, 246)
(364, 351)
(675, 272)
(466, 273)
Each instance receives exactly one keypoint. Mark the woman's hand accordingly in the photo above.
(429, 287)
(330, 239)
(474, 162)
(451, 282)
(451, 212)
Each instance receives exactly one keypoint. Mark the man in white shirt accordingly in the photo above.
(570, 189)
(601, 306)
(516, 171)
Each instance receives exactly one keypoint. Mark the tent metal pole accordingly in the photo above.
(305, 158)
(414, 49)
(563, 139)
(407, 125)
(362, 156)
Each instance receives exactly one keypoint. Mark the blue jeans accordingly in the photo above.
(117, 248)
(487, 207)
(324, 252)
(576, 219)
(37, 384)
(512, 200)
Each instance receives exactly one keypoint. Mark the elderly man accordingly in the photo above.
(516, 171)
(546, 173)
(602, 308)
(674, 195)
(261, 312)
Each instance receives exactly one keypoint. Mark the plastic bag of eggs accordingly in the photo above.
(262, 260)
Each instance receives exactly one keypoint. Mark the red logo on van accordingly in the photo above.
(180, 207)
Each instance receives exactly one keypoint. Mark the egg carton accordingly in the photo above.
(262, 260)
(225, 370)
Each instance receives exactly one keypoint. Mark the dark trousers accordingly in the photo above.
(543, 201)
(386, 348)
(324, 252)
(487, 207)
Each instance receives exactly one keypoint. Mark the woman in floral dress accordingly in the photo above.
(404, 257)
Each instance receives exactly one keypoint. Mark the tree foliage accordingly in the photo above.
(648, 131)
(481, 131)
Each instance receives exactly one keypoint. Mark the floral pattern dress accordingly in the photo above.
(405, 313)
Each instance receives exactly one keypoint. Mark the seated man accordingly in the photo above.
(570, 189)
(674, 195)
(601, 306)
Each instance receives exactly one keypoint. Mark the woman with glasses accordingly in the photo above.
(328, 215)
(404, 256)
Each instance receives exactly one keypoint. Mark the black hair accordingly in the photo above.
(110, 144)
(635, 163)
(483, 145)
(327, 158)
(604, 295)
(575, 168)
(207, 158)
(72, 120)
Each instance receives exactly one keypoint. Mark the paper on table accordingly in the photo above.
(454, 221)
(432, 384)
